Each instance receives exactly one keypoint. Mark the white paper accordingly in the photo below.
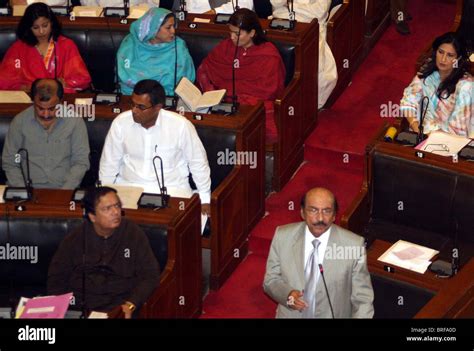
(87, 11)
(203, 222)
(21, 306)
(443, 144)
(98, 315)
(19, 10)
(129, 195)
(40, 310)
(138, 11)
(192, 97)
(409, 256)
(201, 20)
(83, 101)
(14, 96)
(2, 190)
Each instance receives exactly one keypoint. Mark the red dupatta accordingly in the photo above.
(23, 64)
(259, 75)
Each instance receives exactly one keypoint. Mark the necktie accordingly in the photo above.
(311, 274)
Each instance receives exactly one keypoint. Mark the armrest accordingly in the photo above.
(357, 215)
(340, 18)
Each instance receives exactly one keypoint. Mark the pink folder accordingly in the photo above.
(46, 307)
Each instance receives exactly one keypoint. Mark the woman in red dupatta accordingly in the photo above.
(41, 52)
(259, 69)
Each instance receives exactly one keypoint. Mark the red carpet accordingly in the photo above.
(343, 131)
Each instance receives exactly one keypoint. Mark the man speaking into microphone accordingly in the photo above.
(58, 148)
(295, 278)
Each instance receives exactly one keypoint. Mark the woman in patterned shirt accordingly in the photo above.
(449, 87)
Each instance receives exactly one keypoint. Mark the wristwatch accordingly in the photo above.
(131, 306)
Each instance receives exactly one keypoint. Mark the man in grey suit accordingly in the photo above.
(294, 251)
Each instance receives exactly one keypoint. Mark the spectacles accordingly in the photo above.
(315, 211)
(107, 209)
(140, 107)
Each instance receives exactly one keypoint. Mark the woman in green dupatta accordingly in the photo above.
(150, 52)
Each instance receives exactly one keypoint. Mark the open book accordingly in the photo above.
(193, 99)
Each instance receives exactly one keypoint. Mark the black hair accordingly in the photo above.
(44, 91)
(466, 26)
(153, 89)
(92, 198)
(335, 203)
(247, 20)
(447, 86)
(167, 17)
(32, 13)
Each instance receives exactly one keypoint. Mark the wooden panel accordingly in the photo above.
(182, 274)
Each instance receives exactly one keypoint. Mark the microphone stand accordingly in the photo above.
(156, 201)
(321, 270)
(423, 110)
(62, 10)
(285, 24)
(122, 12)
(6, 10)
(84, 246)
(232, 108)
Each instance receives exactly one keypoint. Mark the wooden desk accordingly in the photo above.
(453, 297)
(181, 277)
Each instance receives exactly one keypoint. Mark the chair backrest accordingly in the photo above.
(98, 48)
(214, 140)
(26, 278)
(422, 196)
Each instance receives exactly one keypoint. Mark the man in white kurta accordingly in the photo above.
(306, 11)
(138, 135)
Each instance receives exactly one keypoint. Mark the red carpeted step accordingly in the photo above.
(284, 207)
(242, 295)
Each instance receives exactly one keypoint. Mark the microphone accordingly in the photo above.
(321, 270)
(234, 96)
(445, 269)
(18, 193)
(6, 9)
(236, 7)
(172, 101)
(111, 98)
(84, 246)
(155, 201)
(225, 107)
(121, 12)
(423, 110)
(283, 24)
(62, 10)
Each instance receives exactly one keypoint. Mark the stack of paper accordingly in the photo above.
(14, 96)
(409, 256)
(443, 144)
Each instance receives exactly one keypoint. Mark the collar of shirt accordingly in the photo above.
(308, 246)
